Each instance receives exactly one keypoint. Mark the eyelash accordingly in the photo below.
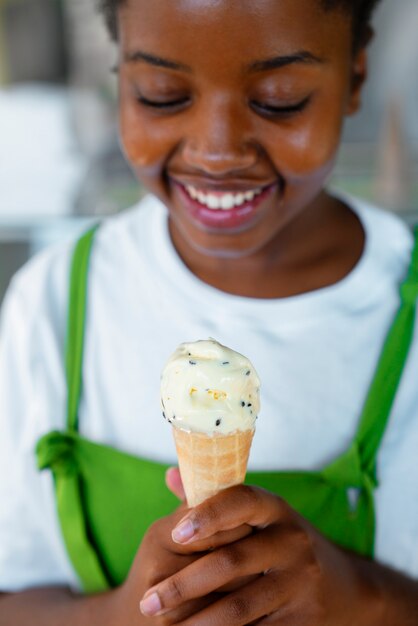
(282, 111)
(264, 108)
(161, 105)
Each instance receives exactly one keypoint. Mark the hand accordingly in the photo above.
(298, 578)
(158, 558)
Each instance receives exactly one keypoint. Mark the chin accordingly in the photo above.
(233, 244)
(225, 253)
(237, 249)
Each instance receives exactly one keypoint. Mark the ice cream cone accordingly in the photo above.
(211, 396)
(209, 464)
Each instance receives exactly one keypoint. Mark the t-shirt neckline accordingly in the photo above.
(351, 291)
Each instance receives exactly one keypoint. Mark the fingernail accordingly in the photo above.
(151, 604)
(183, 531)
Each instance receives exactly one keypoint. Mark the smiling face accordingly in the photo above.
(231, 112)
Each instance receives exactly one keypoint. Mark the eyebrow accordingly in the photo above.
(302, 56)
(151, 59)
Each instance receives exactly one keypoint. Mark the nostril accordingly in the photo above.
(219, 162)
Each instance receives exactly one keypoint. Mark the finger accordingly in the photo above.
(237, 583)
(174, 483)
(215, 541)
(165, 540)
(284, 618)
(186, 610)
(251, 603)
(229, 509)
(253, 555)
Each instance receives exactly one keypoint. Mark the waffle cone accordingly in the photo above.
(209, 464)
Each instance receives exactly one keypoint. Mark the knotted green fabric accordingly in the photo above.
(107, 499)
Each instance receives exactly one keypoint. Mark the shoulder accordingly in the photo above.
(389, 239)
(129, 231)
(39, 286)
(380, 223)
(42, 283)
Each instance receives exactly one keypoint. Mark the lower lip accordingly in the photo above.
(217, 218)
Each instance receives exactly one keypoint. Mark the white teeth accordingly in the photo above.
(227, 201)
(213, 202)
(240, 199)
(222, 202)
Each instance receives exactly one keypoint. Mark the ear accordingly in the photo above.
(359, 72)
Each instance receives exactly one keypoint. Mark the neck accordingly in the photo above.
(317, 249)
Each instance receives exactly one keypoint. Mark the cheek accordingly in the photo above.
(308, 149)
(147, 143)
(308, 146)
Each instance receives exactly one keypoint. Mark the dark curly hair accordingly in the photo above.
(359, 10)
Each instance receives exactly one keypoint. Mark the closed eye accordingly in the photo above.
(266, 109)
(281, 111)
(171, 104)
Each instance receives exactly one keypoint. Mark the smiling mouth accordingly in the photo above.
(224, 210)
(222, 200)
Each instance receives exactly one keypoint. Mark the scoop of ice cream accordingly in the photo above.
(209, 388)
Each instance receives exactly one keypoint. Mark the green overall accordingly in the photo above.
(107, 499)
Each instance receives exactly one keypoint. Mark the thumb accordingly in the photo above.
(174, 483)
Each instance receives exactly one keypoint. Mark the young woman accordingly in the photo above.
(231, 115)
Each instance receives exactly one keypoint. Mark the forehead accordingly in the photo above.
(215, 31)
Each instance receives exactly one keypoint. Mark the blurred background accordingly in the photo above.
(60, 163)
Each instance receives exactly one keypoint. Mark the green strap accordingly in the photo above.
(393, 358)
(76, 325)
(57, 451)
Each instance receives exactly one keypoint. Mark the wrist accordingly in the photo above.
(100, 608)
(386, 597)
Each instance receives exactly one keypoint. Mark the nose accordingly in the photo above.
(218, 141)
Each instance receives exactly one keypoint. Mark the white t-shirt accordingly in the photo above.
(315, 353)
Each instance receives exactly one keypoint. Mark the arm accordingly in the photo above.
(389, 597)
(158, 558)
(295, 575)
(56, 605)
